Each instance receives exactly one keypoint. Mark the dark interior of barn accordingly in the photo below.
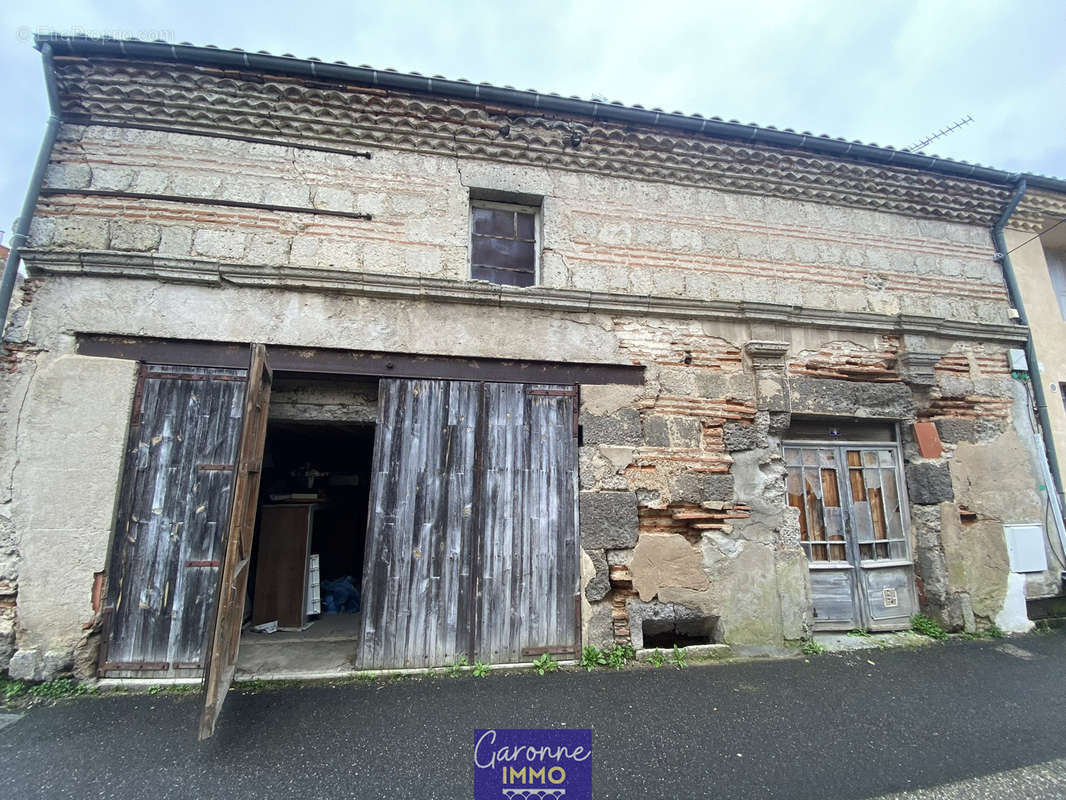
(307, 556)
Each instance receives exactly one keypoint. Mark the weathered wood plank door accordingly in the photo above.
(416, 580)
(853, 526)
(472, 539)
(224, 638)
(173, 509)
(527, 576)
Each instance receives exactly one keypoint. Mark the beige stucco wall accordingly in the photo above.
(1047, 325)
(71, 440)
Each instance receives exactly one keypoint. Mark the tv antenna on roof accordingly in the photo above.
(942, 132)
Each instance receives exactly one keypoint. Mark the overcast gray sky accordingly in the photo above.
(883, 72)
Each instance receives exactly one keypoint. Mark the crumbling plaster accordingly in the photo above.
(697, 444)
(702, 435)
(71, 441)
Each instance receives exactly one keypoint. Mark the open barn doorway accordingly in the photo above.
(302, 611)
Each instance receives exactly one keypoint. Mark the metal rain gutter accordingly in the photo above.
(22, 225)
(616, 112)
(1039, 396)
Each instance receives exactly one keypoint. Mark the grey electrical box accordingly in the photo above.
(1017, 360)
(1025, 546)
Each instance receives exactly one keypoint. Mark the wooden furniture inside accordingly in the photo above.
(281, 567)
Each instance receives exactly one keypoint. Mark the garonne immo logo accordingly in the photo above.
(532, 764)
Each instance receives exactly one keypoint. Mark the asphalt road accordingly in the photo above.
(925, 721)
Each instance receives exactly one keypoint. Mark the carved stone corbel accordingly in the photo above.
(767, 361)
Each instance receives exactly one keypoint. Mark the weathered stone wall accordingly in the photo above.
(755, 286)
(683, 509)
(599, 233)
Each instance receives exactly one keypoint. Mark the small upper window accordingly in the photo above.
(503, 243)
(1056, 262)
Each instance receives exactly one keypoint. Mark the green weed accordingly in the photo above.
(679, 659)
(592, 657)
(175, 688)
(619, 654)
(545, 664)
(456, 669)
(12, 689)
(922, 624)
(657, 659)
(812, 648)
(480, 669)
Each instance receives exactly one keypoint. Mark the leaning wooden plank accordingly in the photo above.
(221, 653)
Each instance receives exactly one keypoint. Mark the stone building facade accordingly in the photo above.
(769, 294)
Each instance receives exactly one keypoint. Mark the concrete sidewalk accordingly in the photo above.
(967, 718)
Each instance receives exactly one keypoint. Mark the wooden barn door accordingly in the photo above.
(527, 564)
(173, 509)
(224, 638)
(472, 539)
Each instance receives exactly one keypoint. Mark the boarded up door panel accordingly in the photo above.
(472, 548)
(416, 578)
(528, 564)
(170, 516)
(851, 507)
(221, 652)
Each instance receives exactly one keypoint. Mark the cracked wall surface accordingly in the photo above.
(683, 512)
(683, 471)
(599, 233)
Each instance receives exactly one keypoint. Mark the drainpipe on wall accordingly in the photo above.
(22, 224)
(1052, 474)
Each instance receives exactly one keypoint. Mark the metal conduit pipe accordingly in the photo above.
(22, 225)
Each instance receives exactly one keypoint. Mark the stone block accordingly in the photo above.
(666, 560)
(287, 194)
(656, 431)
(269, 251)
(219, 244)
(608, 520)
(600, 583)
(779, 422)
(80, 233)
(623, 427)
(134, 237)
(175, 241)
(738, 436)
(687, 488)
(825, 396)
(25, 665)
(686, 432)
(599, 631)
(7, 642)
(929, 482)
(56, 663)
(719, 487)
(68, 176)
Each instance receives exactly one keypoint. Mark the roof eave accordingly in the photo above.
(388, 79)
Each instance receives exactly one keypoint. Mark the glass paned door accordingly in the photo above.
(852, 516)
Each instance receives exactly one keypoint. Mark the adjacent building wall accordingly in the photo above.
(1030, 257)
